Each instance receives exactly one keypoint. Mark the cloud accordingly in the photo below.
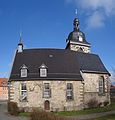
(96, 20)
(97, 11)
(107, 6)
(69, 1)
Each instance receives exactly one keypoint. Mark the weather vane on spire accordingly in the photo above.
(76, 21)
(20, 37)
(76, 12)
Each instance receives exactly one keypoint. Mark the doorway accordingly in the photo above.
(47, 105)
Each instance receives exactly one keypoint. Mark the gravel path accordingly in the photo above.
(4, 114)
(91, 116)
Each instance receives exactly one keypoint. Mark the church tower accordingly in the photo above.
(76, 40)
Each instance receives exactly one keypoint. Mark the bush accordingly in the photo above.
(100, 104)
(41, 115)
(13, 108)
(92, 103)
(106, 103)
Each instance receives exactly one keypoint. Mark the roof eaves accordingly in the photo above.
(53, 79)
(77, 43)
(97, 72)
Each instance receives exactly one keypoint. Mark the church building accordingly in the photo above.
(59, 79)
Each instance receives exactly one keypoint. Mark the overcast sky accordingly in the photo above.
(46, 24)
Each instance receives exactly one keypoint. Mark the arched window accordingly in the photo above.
(101, 86)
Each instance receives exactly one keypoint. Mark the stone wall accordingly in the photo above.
(83, 91)
(91, 87)
(57, 101)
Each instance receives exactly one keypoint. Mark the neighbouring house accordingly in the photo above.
(59, 79)
(112, 92)
(3, 88)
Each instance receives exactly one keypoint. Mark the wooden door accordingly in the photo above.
(47, 105)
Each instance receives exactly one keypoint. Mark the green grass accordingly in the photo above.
(109, 117)
(88, 111)
(80, 112)
(25, 114)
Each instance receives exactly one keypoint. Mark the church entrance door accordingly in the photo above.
(47, 105)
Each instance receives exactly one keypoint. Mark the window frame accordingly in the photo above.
(101, 86)
(46, 90)
(24, 72)
(23, 90)
(69, 92)
(43, 72)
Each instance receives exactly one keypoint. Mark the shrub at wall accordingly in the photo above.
(41, 115)
(92, 103)
(13, 108)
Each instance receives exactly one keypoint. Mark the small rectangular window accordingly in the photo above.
(23, 72)
(23, 92)
(69, 91)
(47, 90)
(101, 86)
(43, 72)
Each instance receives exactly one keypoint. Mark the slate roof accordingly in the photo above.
(74, 37)
(62, 64)
(91, 63)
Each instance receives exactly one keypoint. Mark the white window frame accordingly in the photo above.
(69, 91)
(43, 72)
(23, 72)
(101, 86)
(23, 92)
(46, 90)
(80, 38)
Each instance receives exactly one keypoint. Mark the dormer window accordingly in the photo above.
(43, 70)
(80, 39)
(23, 71)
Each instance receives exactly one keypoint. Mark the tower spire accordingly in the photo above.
(20, 45)
(76, 12)
(20, 38)
(76, 21)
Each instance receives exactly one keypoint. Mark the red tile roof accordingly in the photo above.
(112, 86)
(3, 82)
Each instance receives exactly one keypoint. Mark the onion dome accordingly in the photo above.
(76, 35)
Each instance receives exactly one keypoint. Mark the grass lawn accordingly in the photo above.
(110, 117)
(25, 114)
(88, 111)
(81, 112)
